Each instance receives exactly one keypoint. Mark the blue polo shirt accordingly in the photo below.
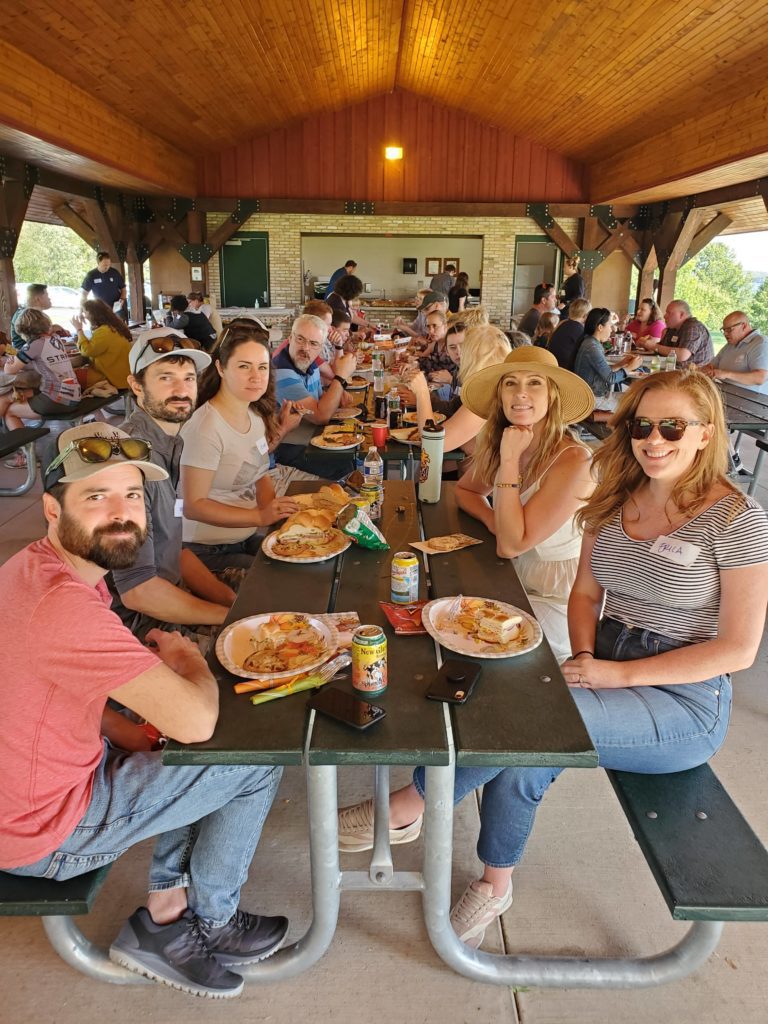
(291, 385)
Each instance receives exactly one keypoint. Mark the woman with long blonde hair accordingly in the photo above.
(672, 545)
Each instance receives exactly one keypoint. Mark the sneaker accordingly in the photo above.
(356, 829)
(175, 954)
(245, 938)
(476, 909)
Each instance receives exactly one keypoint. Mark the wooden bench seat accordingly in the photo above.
(41, 897)
(707, 861)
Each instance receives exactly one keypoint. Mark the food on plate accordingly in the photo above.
(498, 628)
(286, 641)
(330, 498)
(309, 533)
(357, 382)
(340, 435)
(412, 417)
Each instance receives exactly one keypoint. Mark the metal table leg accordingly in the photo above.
(82, 954)
(546, 972)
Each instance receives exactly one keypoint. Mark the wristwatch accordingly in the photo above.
(339, 348)
(341, 380)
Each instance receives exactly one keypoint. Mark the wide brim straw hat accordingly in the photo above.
(478, 393)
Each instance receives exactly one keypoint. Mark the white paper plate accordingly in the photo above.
(270, 540)
(233, 647)
(412, 417)
(401, 434)
(358, 387)
(530, 637)
(318, 443)
(348, 413)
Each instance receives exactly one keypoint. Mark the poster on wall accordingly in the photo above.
(451, 260)
(432, 265)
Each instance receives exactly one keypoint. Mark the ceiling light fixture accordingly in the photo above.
(393, 152)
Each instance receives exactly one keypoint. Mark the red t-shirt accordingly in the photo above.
(65, 651)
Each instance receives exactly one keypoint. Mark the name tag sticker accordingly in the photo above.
(97, 280)
(178, 508)
(678, 551)
(262, 446)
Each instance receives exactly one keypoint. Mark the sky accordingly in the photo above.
(751, 249)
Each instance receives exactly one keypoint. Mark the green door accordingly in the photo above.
(244, 265)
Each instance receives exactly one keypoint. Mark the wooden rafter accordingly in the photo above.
(76, 223)
(705, 235)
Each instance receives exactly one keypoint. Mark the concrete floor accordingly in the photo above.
(583, 888)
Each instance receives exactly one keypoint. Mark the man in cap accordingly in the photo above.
(70, 801)
(149, 593)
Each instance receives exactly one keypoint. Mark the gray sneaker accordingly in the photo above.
(245, 938)
(175, 954)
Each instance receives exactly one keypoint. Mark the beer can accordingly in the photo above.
(373, 494)
(404, 588)
(369, 660)
(380, 407)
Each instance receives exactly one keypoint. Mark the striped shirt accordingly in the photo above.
(652, 591)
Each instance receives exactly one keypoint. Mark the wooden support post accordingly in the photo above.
(593, 235)
(77, 224)
(645, 288)
(14, 199)
(135, 279)
(680, 241)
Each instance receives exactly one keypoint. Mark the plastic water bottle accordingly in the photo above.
(373, 467)
(431, 466)
(670, 362)
(150, 322)
(378, 373)
(655, 364)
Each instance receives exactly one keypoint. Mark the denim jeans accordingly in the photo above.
(207, 820)
(646, 729)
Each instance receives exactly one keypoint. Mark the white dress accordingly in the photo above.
(547, 572)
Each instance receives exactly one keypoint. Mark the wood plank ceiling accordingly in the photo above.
(595, 80)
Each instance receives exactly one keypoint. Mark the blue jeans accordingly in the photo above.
(207, 820)
(647, 729)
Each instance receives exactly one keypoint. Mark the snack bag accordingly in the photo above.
(404, 618)
(354, 522)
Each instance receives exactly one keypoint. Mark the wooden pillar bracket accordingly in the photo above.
(539, 212)
(196, 254)
(590, 259)
(8, 241)
(605, 215)
(31, 178)
(352, 207)
(180, 207)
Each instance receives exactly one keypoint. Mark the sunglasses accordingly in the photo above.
(671, 428)
(166, 343)
(101, 449)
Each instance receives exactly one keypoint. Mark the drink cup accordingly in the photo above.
(379, 432)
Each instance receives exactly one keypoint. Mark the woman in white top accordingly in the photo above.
(225, 482)
(538, 472)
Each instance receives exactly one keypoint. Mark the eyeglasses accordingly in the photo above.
(307, 341)
(101, 449)
(727, 330)
(671, 429)
(166, 343)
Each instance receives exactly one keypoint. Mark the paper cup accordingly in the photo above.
(379, 432)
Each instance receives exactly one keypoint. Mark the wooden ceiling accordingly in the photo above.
(647, 93)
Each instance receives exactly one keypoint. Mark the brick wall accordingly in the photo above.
(285, 230)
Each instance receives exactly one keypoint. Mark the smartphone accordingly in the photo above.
(345, 707)
(454, 682)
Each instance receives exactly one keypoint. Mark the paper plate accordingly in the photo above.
(342, 542)
(401, 434)
(456, 640)
(349, 413)
(357, 385)
(411, 417)
(233, 646)
(357, 439)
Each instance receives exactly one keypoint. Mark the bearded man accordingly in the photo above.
(70, 800)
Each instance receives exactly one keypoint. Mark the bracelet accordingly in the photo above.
(507, 485)
(590, 653)
(341, 380)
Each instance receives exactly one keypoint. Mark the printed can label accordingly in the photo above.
(369, 660)
(404, 588)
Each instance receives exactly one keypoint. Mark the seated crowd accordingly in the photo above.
(151, 526)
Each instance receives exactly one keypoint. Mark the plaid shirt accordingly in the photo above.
(693, 335)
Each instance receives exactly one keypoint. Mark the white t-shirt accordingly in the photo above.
(238, 461)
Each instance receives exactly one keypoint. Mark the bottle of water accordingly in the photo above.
(150, 322)
(671, 362)
(378, 373)
(373, 467)
(655, 364)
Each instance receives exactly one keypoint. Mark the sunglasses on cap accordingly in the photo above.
(101, 449)
(670, 428)
(167, 343)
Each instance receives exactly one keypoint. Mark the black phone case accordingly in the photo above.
(454, 682)
(346, 708)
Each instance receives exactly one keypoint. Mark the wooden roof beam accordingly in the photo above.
(76, 223)
(705, 236)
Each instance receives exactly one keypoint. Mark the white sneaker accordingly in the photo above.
(476, 909)
(356, 829)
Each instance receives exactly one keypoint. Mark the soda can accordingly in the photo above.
(369, 660)
(374, 496)
(404, 588)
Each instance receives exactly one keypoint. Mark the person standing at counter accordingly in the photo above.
(349, 268)
(105, 283)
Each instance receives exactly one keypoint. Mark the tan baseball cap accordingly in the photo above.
(74, 467)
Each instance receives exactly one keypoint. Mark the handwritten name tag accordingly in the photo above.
(178, 508)
(262, 446)
(678, 551)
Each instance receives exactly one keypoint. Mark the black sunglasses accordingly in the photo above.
(670, 428)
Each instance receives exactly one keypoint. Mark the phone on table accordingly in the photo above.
(345, 707)
(454, 682)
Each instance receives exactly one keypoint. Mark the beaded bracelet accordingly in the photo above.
(590, 653)
(507, 485)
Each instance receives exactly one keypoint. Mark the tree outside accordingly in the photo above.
(758, 312)
(714, 284)
(49, 254)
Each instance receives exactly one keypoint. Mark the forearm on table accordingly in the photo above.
(160, 599)
(199, 579)
(476, 505)
(327, 405)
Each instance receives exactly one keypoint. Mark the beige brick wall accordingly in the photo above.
(285, 230)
